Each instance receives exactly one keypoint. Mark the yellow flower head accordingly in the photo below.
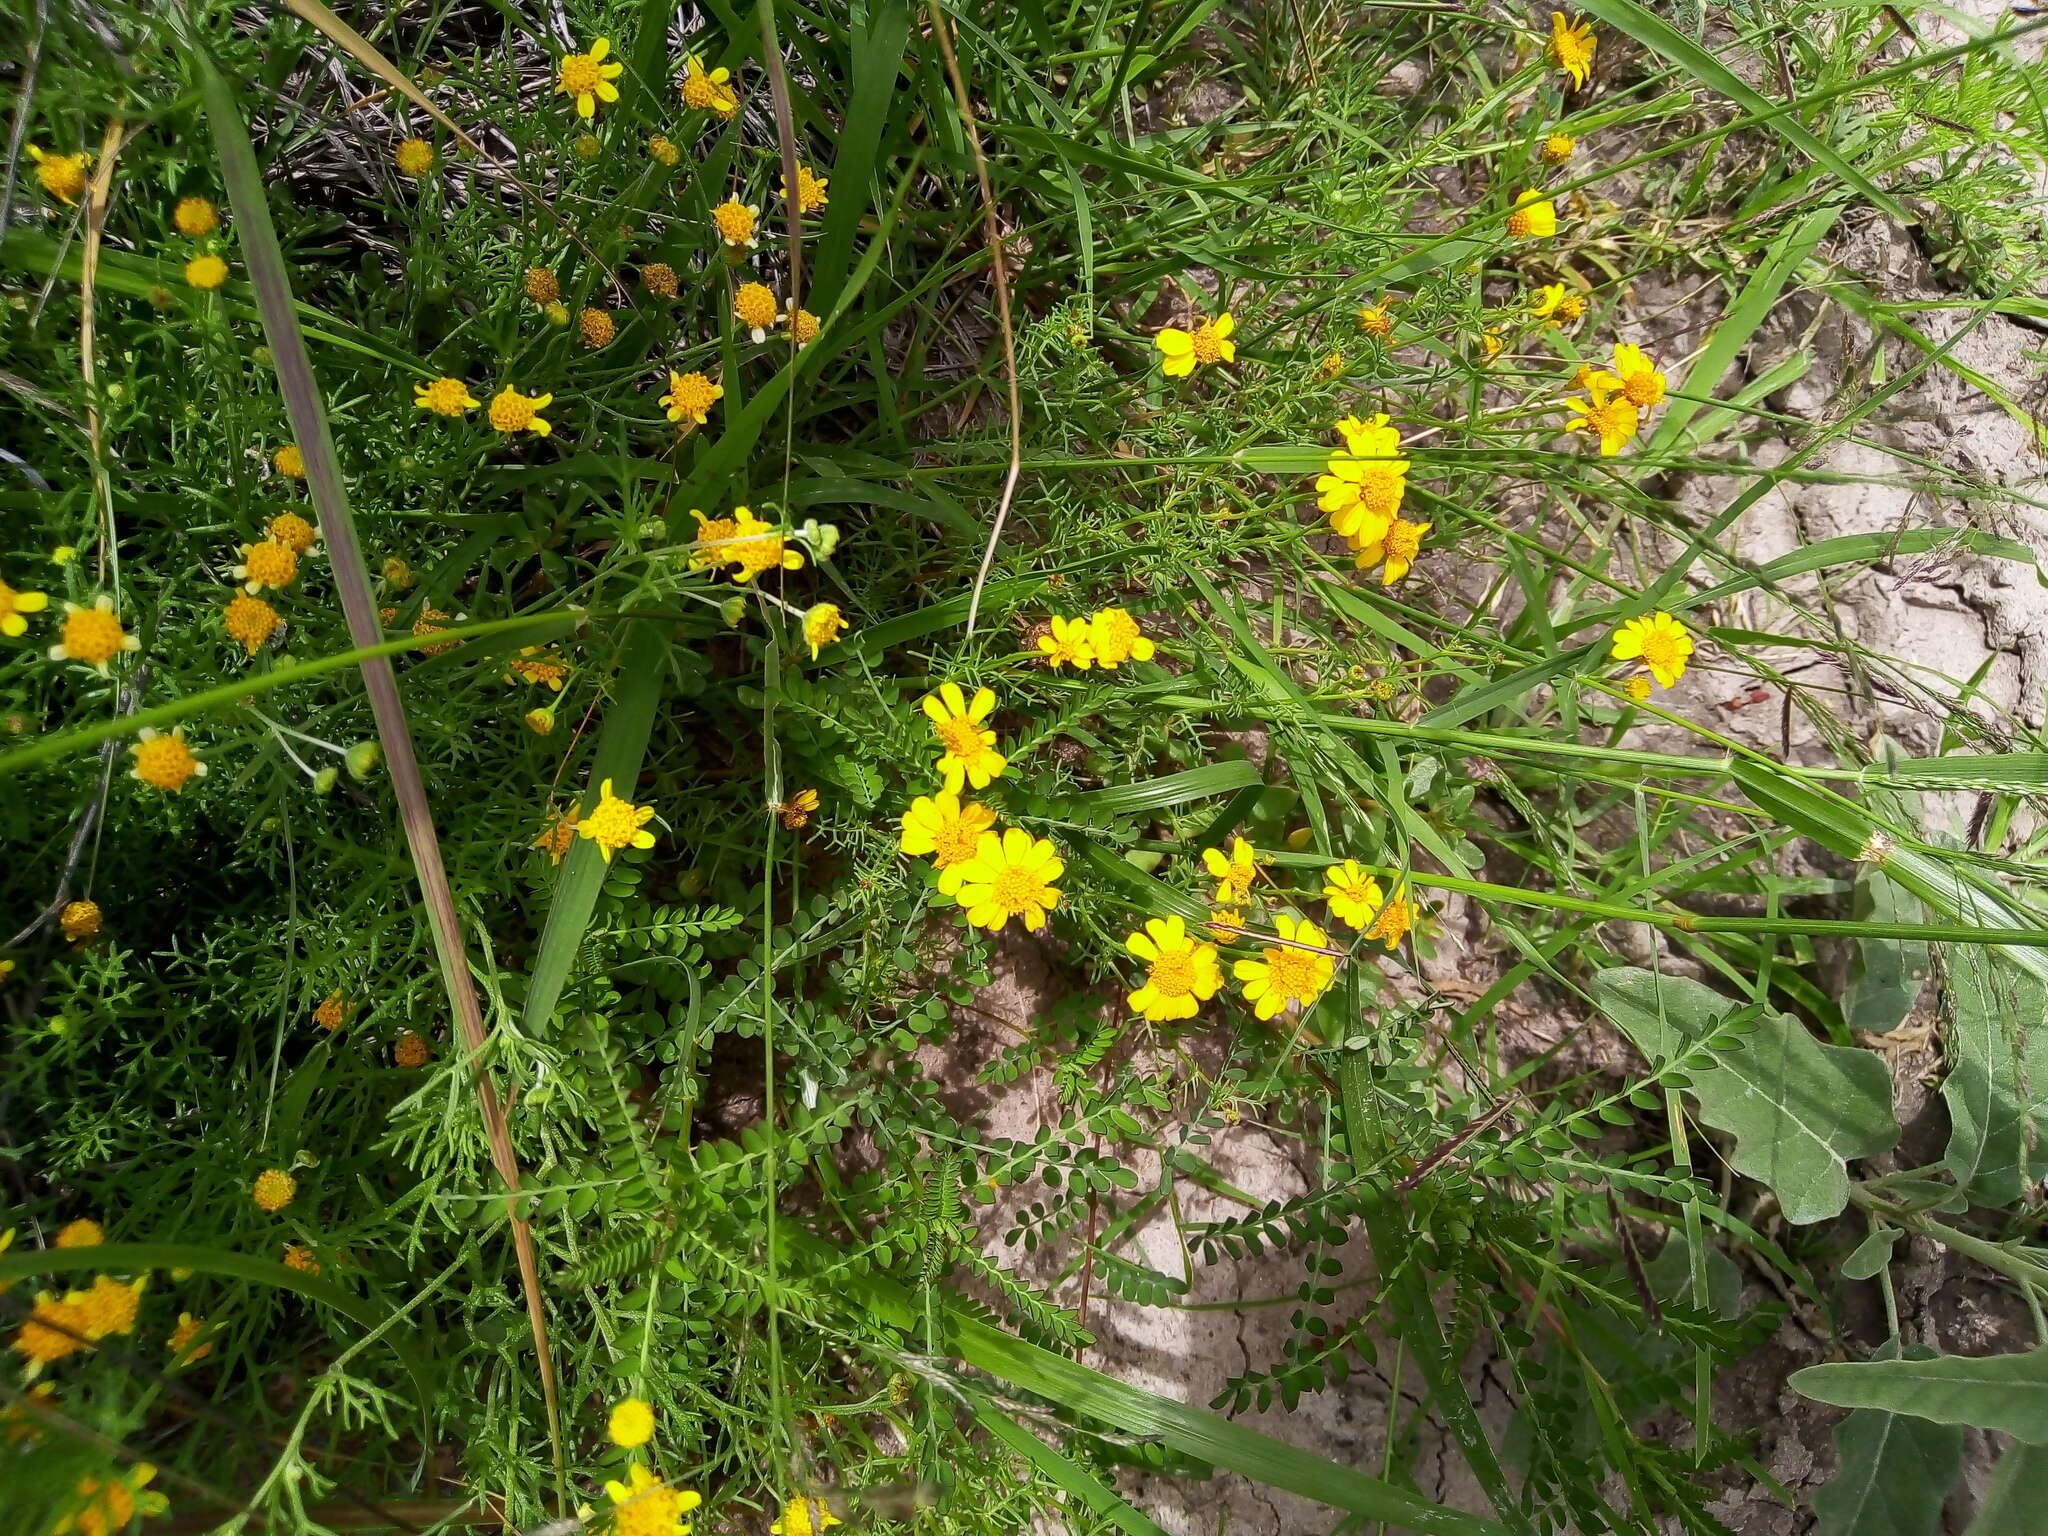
(106, 1506)
(267, 563)
(52, 1330)
(1366, 481)
(587, 78)
(1185, 351)
(446, 396)
(690, 397)
(559, 834)
(533, 665)
(1635, 378)
(804, 328)
(1287, 973)
(1331, 367)
(332, 1011)
(185, 1341)
(289, 462)
(757, 309)
(1354, 896)
(1010, 875)
(109, 1307)
(13, 605)
(1571, 48)
(1612, 418)
(541, 285)
(711, 92)
(273, 1190)
(614, 823)
(757, 547)
(1233, 875)
(250, 620)
(804, 1517)
(795, 812)
(165, 762)
(1492, 343)
(1068, 643)
(1535, 216)
(411, 1052)
(970, 754)
(1117, 638)
(1556, 303)
(80, 920)
(810, 190)
(542, 723)
(513, 412)
(292, 531)
(631, 1424)
(298, 1256)
(1660, 642)
(949, 831)
(1397, 544)
(62, 176)
(1395, 918)
(414, 158)
(737, 224)
(644, 1505)
(1182, 970)
(206, 272)
(659, 279)
(83, 1233)
(587, 146)
(1558, 148)
(1638, 688)
(93, 635)
(665, 149)
(823, 625)
(597, 328)
(1377, 320)
(195, 216)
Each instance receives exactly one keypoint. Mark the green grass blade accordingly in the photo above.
(1068, 1475)
(1170, 789)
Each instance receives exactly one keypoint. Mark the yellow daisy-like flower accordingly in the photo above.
(757, 546)
(14, 605)
(273, 1190)
(1638, 688)
(1183, 972)
(943, 827)
(332, 1011)
(665, 149)
(206, 272)
(644, 1505)
(804, 1517)
(659, 279)
(804, 328)
(737, 223)
(513, 412)
(714, 534)
(1660, 642)
(1010, 875)
(185, 1341)
(1395, 918)
(587, 78)
(690, 397)
(1367, 480)
(289, 462)
(83, 1233)
(109, 1307)
(1377, 320)
(411, 1053)
(757, 309)
(614, 823)
(1558, 148)
(93, 635)
(1117, 638)
(80, 920)
(292, 531)
(107, 1506)
(1233, 875)
(414, 158)
(1612, 418)
(1635, 377)
(62, 176)
(195, 216)
(267, 563)
(970, 751)
(1556, 303)
(541, 285)
(1571, 48)
(1354, 896)
(1286, 973)
(534, 665)
(298, 1256)
(710, 92)
(250, 620)
(1330, 368)
(1492, 344)
(1185, 351)
(165, 762)
(446, 396)
(1397, 544)
(597, 328)
(1068, 643)
(1535, 216)
(810, 190)
(823, 624)
(52, 1330)
(559, 834)
(631, 1424)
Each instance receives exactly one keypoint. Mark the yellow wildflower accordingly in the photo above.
(1558, 148)
(250, 620)
(1638, 688)
(446, 396)
(332, 1011)
(631, 1424)
(1635, 377)
(1367, 479)
(664, 149)
(1234, 875)
(1183, 972)
(1397, 544)
(541, 285)
(1068, 643)
(93, 635)
(1377, 320)
(273, 1190)
(206, 272)
(1660, 642)
(83, 1233)
(267, 563)
(414, 158)
(411, 1052)
(1571, 48)
(185, 1342)
(107, 1505)
(1117, 638)
(597, 328)
(810, 190)
(62, 176)
(757, 309)
(950, 831)
(195, 216)
(1557, 304)
(289, 462)
(14, 604)
(614, 824)
(737, 224)
(559, 834)
(804, 1517)
(659, 279)
(298, 1256)
(52, 1330)
(690, 397)
(1354, 896)
(1395, 918)
(823, 625)
(587, 78)
(80, 920)
(1534, 216)
(646, 1506)
(757, 547)
(804, 328)
(165, 762)
(109, 1307)
(292, 531)
(1286, 973)
(1010, 875)
(711, 92)
(555, 313)
(513, 412)
(970, 754)
(1185, 351)
(1613, 419)
(533, 665)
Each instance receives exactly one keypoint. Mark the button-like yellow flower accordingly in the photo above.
(804, 328)
(597, 328)
(757, 309)
(587, 78)
(810, 190)
(948, 830)
(631, 1424)
(109, 1307)
(273, 1190)
(1571, 48)
(1635, 377)
(823, 625)
(513, 412)
(1183, 971)
(1233, 875)
(1287, 973)
(711, 92)
(414, 158)
(1366, 481)
(165, 762)
(93, 635)
(250, 620)
(1185, 351)
(266, 563)
(659, 279)
(298, 1256)
(664, 149)
(970, 754)
(446, 396)
(289, 462)
(1068, 643)
(62, 176)
(411, 1053)
(85, 1232)
(1535, 216)
(1117, 639)
(292, 531)
(195, 216)
(207, 272)
(541, 285)
(14, 605)
(1010, 875)
(1556, 303)
(614, 824)
(1377, 320)
(804, 1517)
(1660, 642)
(1397, 544)
(758, 546)
(646, 1506)
(1558, 148)
(737, 223)
(186, 1341)
(1612, 418)
(690, 397)
(331, 1013)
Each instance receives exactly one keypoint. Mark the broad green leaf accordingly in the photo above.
(1871, 1255)
(2012, 1504)
(2008, 1393)
(1888, 973)
(1798, 1109)
(1997, 1083)
(1894, 1474)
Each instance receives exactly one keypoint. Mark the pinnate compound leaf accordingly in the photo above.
(2008, 1393)
(1798, 1109)
(1997, 1084)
